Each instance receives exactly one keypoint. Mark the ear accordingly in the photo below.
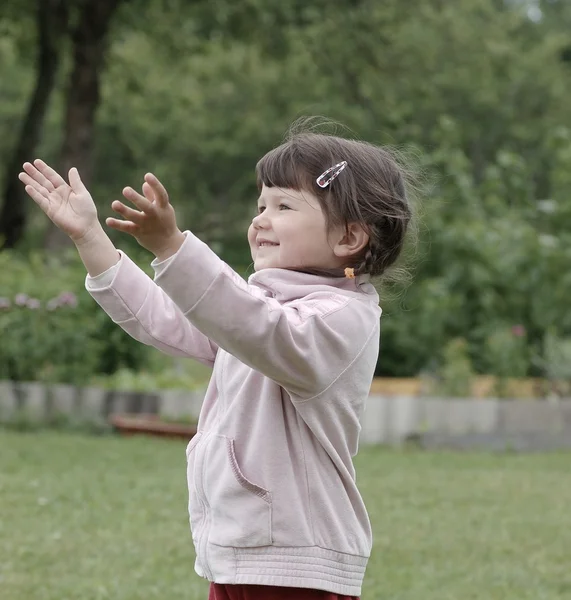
(351, 241)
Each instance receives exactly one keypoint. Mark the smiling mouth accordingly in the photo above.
(266, 244)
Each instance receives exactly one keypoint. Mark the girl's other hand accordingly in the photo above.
(154, 224)
(70, 207)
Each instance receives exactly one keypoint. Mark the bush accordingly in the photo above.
(52, 330)
(507, 356)
(194, 376)
(556, 362)
(456, 374)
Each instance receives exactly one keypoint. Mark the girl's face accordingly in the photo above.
(289, 231)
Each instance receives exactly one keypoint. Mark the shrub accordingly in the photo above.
(52, 330)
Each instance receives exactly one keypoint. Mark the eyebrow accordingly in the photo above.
(279, 198)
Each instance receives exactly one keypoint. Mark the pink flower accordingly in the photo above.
(33, 303)
(67, 299)
(21, 299)
(518, 330)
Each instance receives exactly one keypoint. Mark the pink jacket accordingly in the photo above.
(272, 493)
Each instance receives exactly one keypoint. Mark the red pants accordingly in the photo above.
(220, 591)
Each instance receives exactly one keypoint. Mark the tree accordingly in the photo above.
(86, 23)
(89, 45)
(51, 22)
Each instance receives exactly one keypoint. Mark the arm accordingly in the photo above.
(132, 300)
(303, 347)
(97, 251)
(146, 313)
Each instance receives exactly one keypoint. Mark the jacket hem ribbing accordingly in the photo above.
(308, 567)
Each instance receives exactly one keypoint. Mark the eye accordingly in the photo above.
(284, 207)
(261, 209)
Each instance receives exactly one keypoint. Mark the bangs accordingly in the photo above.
(285, 167)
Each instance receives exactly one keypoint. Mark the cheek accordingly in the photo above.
(251, 234)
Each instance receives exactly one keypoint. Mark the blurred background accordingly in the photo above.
(476, 342)
(474, 92)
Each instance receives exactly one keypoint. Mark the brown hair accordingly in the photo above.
(371, 191)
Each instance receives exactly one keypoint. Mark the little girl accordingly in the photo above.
(274, 509)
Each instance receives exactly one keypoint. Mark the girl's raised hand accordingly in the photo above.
(69, 206)
(153, 225)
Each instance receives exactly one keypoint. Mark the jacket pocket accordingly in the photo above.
(240, 511)
(192, 444)
(195, 507)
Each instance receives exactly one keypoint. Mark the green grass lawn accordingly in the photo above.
(104, 517)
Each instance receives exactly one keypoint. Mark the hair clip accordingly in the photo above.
(333, 171)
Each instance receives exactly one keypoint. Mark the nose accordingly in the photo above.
(260, 221)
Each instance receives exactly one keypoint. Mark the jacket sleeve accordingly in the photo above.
(304, 347)
(140, 307)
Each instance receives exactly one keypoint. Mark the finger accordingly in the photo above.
(139, 201)
(148, 192)
(37, 176)
(38, 198)
(75, 181)
(129, 213)
(49, 173)
(158, 188)
(124, 226)
(30, 181)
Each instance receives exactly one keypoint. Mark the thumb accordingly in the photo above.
(75, 181)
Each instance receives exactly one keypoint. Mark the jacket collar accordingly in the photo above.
(286, 285)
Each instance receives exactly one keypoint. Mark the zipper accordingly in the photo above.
(196, 534)
(205, 529)
(220, 382)
(199, 479)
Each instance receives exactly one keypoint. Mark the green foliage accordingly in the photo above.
(192, 376)
(197, 92)
(556, 363)
(456, 375)
(557, 357)
(507, 355)
(51, 328)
